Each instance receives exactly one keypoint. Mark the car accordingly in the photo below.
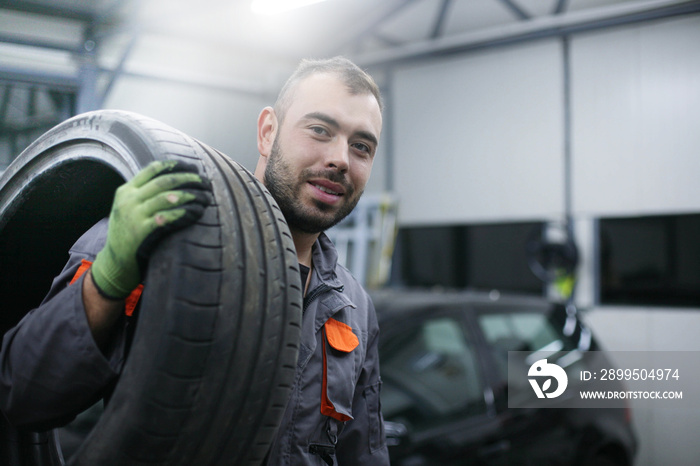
(445, 394)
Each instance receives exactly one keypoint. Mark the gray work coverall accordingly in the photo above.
(353, 381)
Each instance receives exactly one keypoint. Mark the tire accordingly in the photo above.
(603, 461)
(214, 354)
(606, 460)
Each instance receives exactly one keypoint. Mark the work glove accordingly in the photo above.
(163, 197)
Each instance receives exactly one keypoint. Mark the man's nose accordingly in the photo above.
(338, 156)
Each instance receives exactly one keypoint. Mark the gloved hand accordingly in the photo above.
(163, 197)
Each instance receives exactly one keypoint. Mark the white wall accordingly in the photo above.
(207, 91)
(636, 150)
(636, 108)
(479, 137)
(666, 435)
(223, 120)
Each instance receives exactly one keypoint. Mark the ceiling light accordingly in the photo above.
(271, 7)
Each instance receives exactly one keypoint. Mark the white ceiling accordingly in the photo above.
(166, 37)
(346, 26)
(49, 49)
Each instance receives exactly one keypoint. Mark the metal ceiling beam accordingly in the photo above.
(537, 28)
(388, 40)
(134, 37)
(439, 25)
(568, 157)
(88, 73)
(35, 42)
(372, 26)
(91, 19)
(27, 127)
(5, 104)
(178, 77)
(32, 102)
(119, 69)
(516, 9)
(560, 7)
(56, 81)
(56, 97)
(111, 11)
(47, 9)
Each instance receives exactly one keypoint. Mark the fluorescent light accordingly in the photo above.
(271, 7)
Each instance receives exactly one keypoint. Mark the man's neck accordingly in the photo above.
(304, 242)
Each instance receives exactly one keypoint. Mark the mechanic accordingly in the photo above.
(317, 146)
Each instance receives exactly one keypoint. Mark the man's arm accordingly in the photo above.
(50, 365)
(161, 198)
(51, 368)
(101, 313)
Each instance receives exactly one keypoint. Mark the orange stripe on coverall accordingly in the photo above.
(340, 337)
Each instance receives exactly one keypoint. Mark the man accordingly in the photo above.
(316, 151)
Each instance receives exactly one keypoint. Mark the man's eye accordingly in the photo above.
(319, 130)
(362, 147)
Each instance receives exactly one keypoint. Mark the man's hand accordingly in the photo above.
(163, 197)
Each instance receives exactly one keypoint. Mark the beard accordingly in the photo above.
(286, 191)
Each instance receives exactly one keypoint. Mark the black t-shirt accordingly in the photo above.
(304, 272)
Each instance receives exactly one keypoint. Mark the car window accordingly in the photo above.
(430, 374)
(538, 334)
(520, 332)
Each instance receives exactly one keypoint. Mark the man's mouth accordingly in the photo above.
(326, 190)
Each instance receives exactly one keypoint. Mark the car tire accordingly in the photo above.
(214, 353)
(603, 460)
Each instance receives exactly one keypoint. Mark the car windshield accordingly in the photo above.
(522, 332)
(430, 373)
(535, 335)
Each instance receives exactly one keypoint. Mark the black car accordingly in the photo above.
(444, 363)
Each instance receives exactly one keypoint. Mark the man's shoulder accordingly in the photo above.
(351, 285)
(93, 240)
(364, 312)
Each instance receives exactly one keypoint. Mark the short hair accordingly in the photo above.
(357, 80)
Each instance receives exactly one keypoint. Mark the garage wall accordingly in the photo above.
(221, 119)
(481, 138)
(199, 88)
(636, 109)
(636, 104)
(490, 124)
(635, 143)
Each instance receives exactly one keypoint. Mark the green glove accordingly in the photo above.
(163, 197)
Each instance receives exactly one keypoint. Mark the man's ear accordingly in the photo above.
(267, 130)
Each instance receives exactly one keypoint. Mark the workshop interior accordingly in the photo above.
(533, 153)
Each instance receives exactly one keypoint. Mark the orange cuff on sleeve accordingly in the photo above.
(84, 265)
(131, 301)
